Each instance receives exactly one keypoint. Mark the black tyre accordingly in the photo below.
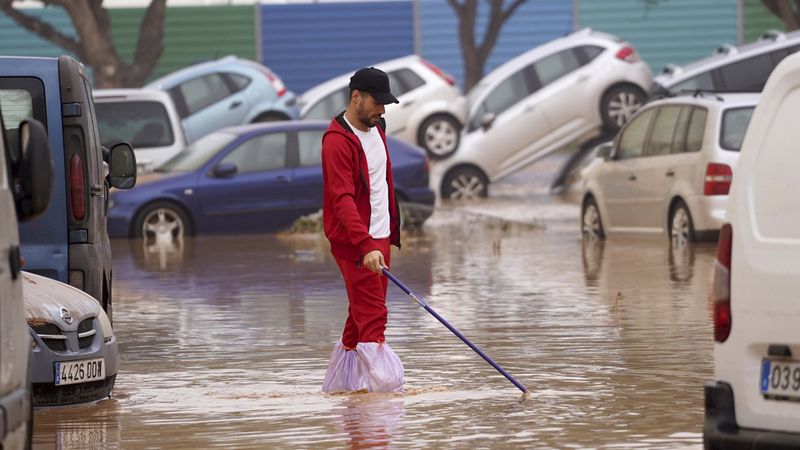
(465, 183)
(681, 227)
(162, 221)
(591, 223)
(619, 104)
(439, 136)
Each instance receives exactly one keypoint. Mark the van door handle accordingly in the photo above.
(530, 108)
(235, 104)
(670, 173)
(97, 190)
(582, 78)
(632, 177)
(408, 103)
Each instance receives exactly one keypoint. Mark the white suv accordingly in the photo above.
(568, 89)
(426, 115)
(754, 400)
(669, 169)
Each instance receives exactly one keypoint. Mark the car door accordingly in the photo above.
(208, 104)
(407, 86)
(618, 181)
(257, 197)
(307, 172)
(329, 106)
(508, 123)
(564, 80)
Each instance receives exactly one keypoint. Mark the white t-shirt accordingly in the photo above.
(373, 146)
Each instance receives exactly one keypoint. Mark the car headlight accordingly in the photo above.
(105, 326)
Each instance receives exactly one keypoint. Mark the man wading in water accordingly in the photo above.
(362, 219)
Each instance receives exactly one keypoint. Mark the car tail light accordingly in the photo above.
(276, 82)
(718, 179)
(721, 292)
(77, 190)
(445, 76)
(628, 54)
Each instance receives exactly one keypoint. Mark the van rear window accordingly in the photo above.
(143, 124)
(734, 125)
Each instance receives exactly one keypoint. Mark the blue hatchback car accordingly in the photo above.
(247, 179)
(226, 92)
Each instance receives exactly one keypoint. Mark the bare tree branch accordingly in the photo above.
(151, 43)
(41, 28)
(787, 11)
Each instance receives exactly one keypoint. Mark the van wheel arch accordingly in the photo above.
(270, 116)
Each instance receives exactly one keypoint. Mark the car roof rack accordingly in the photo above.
(670, 69)
(726, 49)
(772, 35)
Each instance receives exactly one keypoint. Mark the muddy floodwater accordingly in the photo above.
(224, 343)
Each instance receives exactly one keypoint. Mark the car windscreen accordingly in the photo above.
(196, 154)
(143, 124)
(734, 125)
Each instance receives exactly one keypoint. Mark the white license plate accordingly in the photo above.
(780, 378)
(72, 372)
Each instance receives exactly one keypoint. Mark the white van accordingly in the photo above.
(24, 193)
(754, 400)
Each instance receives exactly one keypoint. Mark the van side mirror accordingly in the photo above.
(225, 170)
(35, 170)
(122, 166)
(487, 120)
(605, 150)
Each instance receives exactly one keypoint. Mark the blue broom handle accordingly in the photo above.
(451, 328)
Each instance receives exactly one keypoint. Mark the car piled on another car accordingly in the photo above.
(426, 115)
(669, 169)
(569, 89)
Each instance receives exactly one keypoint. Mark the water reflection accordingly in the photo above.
(371, 421)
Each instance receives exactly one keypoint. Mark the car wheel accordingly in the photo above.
(465, 183)
(681, 228)
(162, 224)
(591, 223)
(619, 104)
(270, 117)
(439, 136)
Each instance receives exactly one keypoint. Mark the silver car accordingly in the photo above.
(668, 170)
(425, 116)
(74, 357)
(569, 89)
(729, 68)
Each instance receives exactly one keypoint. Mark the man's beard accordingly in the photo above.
(367, 120)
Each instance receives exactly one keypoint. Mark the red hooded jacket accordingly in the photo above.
(345, 206)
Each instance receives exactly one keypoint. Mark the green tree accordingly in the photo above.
(93, 45)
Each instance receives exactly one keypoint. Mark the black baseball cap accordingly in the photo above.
(374, 81)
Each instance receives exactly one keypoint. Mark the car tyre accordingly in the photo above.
(439, 136)
(681, 227)
(591, 222)
(619, 104)
(270, 117)
(162, 222)
(465, 183)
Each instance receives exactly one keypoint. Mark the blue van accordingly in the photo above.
(69, 241)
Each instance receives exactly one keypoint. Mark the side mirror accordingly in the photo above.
(225, 170)
(487, 120)
(122, 166)
(605, 150)
(35, 170)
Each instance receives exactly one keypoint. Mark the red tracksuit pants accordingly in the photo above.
(366, 292)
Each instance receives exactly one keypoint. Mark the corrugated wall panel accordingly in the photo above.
(191, 34)
(757, 19)
(17, 41)
(534, 23)
(674, 31)
(306, 44)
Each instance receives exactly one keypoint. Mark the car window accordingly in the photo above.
(329, 106)
(237, 81)
(142, 124)
(196, 154)
(259, 154)
(506, 94)
(553, 67)
(679, 142)
(747, 75)
(734, 125)
(697, 129)
(704, 81)
(631, 140)
(404, 80)
(309, 144)
(663, 132)
(204, 91)
(21, 98)
(586, 53)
